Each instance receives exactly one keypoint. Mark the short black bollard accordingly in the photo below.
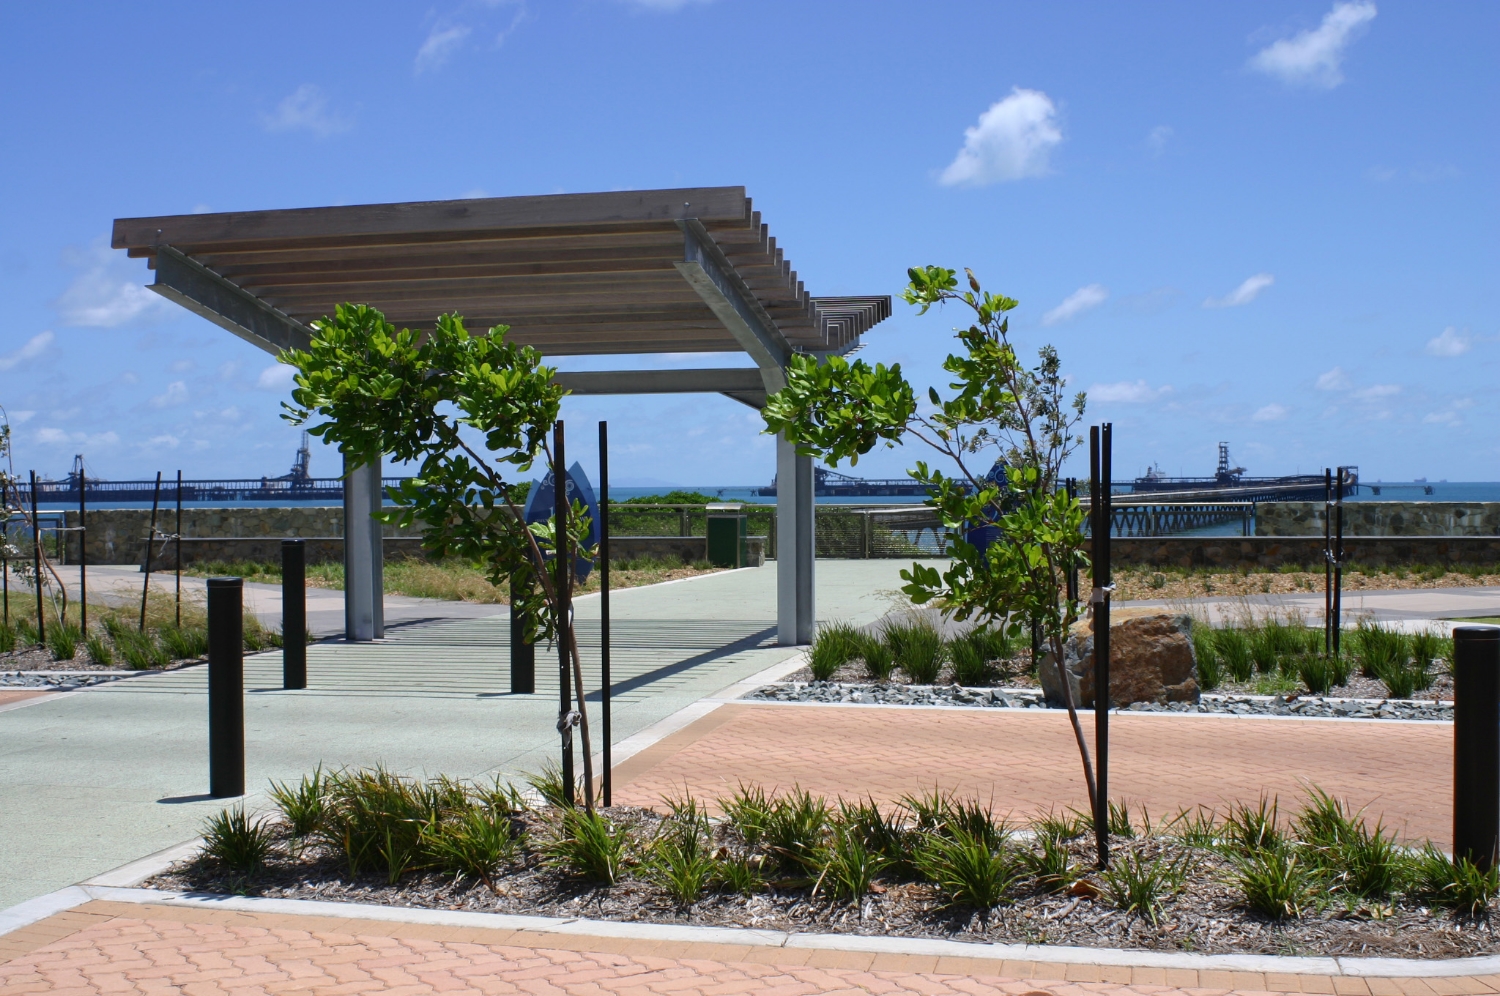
(1476, 743)
(293, 613)
(226, 688)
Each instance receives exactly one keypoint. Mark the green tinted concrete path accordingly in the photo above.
(92, 779)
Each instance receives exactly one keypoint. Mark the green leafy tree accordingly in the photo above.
(998, 410)
(415, 396)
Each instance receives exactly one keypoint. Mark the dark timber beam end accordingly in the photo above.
(743, 384)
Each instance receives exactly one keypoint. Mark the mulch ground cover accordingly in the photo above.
(1206, 915)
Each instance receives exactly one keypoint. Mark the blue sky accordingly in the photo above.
(1270, 223)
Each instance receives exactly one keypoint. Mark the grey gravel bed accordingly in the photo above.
(1031, 698)
(56, 681)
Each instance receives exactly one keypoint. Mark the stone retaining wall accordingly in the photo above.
(1381, 518)
(1252, 552)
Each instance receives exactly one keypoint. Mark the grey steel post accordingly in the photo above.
(562, 562)
(36, 557)
(1327, 561)
(150, 538)
(226, 688)
(177, 550)
(606, 780)
(83, 552)
(1338, 559)
(1476, 743)
(293, 613)
(796, 617)
(363, 559)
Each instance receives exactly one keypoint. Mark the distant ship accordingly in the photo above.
(1230, 482)
(831, 484)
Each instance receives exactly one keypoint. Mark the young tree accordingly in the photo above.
(1001, 412)
(410, 395)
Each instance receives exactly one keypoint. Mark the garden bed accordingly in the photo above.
(1252, 881)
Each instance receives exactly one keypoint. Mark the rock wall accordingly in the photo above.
(1381, 518)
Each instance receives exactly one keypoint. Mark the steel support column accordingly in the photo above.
(364, 560)
(796, 617)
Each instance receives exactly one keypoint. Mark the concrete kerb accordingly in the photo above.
(65, 899)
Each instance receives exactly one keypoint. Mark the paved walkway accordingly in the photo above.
(110, 948)
(1415, 606)
(94, 778)
(1025, 762)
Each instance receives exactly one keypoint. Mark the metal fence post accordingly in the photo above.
(564, 567)
(606, 783)
(293, 613)
(1476, 743)
(226, 687)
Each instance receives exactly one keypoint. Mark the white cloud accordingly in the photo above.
(305, 109)
(1012, 140)
(1128, 392)
(1158, 138)
(182, 366)
(175, 394)
(108, 292)
(1270, 413)
(22, 417)
(163, 441)
(1449, 343)
(1243, 294)
(1377, 391)
(276, 377)
(201, 209)
(228, 369)
(1312, 57)
(52, 437)
(1334, 380)
(1076, 303)
(442, 41)
(35, 346)
(1442, 418)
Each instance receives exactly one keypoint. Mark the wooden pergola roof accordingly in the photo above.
(631, 272)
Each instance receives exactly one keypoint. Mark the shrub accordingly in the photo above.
(63, 639)
(140, 650)
(918, 648)
(971, 661)
(883, 834)
(26, 632)
(1275, 881)
(1234, 651)
(1324, 821)
(1053, 867)
(236, 841)
(588, 846)
(1251, 830)
(1061, 828)
(1461, 885)
(7, 637)
(1401, 677)
(1206, 657)
(476, 842)
(966, 870)
(748, 811)
(99, 650)
(878, 658)
(376, 818)
(552, 788)
(1318, 673)
(794, 829)
(739, 873)
(848, 865)
(679, 858)
(1371, 864)
(1198, 828)
(253, 633)
(1428, 647)
(835, 645)
(1119, 820)
(301, 805)
(1131, 884)
(184, 643)
(1380, 649)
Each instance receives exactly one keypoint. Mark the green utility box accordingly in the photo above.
(727, 532)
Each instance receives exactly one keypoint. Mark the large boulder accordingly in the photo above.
(1150, 660)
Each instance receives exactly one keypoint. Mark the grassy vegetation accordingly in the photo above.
(1285, 656)
(978, 657)
(450, 580)
(1323, 860)
(1158, 582)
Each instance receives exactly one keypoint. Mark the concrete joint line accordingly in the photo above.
(65, 899)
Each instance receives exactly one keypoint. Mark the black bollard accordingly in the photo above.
(293, 613)
(1476, 743)
(226, 688)
(522, 653)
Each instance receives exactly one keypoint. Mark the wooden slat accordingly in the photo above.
(449, 217)
(630, 283)
(452, 264)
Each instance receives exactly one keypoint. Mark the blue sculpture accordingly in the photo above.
(541, 503)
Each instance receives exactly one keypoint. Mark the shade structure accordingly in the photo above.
(645, 271)
(569, 273)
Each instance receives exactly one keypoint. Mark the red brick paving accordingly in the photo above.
(103, 949)
(1026, 761)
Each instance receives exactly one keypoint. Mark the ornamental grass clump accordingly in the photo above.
(1459, 885)
(301, 804)
(1053, 866)
(376, 819)
(885, 834)
(1233, 649)
(976, 655)
(140, 650)
(1276, 882)
(1319, 673)
(847, 864)
(794, 830)
(63, 639)
(835, 645)
(967, 870)
(1132, 884)
(918, 649)
(748, 811)
(1206, 657)
(588, 846)
(474, 842)
(236, 841)
(1380, 649)
(879, 659)
(99, 650)
(184, 643)
(679, 859)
